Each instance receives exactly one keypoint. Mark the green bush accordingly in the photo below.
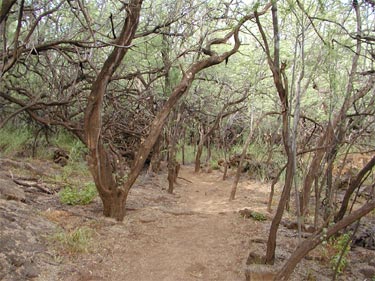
(258, 216)
(339, 244)
(76, 196)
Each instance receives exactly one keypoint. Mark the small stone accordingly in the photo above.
(30, 270)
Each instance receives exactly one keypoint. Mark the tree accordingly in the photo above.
(110, 188)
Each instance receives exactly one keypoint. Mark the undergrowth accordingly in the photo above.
(73, 241)
(341, 245)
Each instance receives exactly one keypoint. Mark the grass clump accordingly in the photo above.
(78, 196)
(74, 241)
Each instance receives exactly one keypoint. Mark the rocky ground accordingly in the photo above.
(194, 234)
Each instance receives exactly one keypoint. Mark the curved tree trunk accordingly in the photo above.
(99, 159)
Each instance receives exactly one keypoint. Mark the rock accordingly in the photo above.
(365, 235)
(22, 241)
(367, 191)
(11, 191)
(197, 270)
(294, 225)
(368, 271)
(17, 261)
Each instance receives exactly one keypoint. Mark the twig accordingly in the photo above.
(184, 179)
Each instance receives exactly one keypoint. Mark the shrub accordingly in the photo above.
(75, 196)
(258, 216)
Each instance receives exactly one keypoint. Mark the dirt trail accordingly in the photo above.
(195, 234)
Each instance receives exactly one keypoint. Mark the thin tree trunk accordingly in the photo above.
(205, 137)
(274, 181)
(208, 156)
(156, 157)
(199, 151)
(183, 146)
(239, 168)
(271, 244)
(281, 84)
